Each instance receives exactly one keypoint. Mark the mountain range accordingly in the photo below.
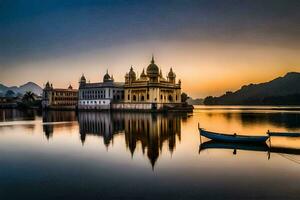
(22, 89)
(280, 91)
(196, 101)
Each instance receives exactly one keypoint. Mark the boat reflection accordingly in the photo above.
(263, 147)
(211, 144)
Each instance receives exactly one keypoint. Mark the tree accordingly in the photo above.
(209, 101)
(184, 97)
(28, 97)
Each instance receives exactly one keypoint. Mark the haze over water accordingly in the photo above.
(96, 155)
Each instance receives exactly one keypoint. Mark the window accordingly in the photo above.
(147, 96)
(134, 98)
(142, 98)
(128, 97)
(161, 96)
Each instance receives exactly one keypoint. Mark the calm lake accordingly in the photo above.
(101, 155)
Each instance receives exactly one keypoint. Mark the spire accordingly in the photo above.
(152, 60)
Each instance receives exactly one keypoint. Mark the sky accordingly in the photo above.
(213, 46)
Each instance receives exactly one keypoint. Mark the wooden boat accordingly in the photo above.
(283, 134)
(232, 137)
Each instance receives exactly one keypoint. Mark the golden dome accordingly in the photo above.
(152, 69)
(171, 74)
(132, 73)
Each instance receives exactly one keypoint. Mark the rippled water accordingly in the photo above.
(100, 155)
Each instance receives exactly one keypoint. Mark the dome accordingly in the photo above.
(132, 73)
(143, 75)
(106, 77)
(152, 69)
(47, 85)
(82, 79)
(171, 74)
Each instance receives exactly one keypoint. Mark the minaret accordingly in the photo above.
(171, 76)
(82, 80)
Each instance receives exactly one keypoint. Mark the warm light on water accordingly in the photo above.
(61, 155)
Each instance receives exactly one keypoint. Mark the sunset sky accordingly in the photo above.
(212, 45)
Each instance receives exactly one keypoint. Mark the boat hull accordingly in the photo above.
(261, 147)
(232, 138)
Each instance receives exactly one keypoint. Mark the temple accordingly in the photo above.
(151, 90)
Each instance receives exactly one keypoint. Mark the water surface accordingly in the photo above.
(101, 155)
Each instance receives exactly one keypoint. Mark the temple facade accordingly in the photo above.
(151, 90)
(99, 96)
(59, 98)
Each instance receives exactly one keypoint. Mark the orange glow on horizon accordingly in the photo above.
(204, 68)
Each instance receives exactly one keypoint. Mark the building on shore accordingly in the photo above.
(58, 98)
(150, 91)
(99, 96)
(9, 102)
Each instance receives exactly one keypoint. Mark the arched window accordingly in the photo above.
(147, 96)
(142, 98)
(170, 98)
(160, 96)
(134, 98)
(128, 97)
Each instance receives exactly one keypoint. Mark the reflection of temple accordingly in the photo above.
(100, 124)
(56, 116)
(152, 131)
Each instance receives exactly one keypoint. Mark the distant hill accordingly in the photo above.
(197, 101)
(280, 91)
(22, 89)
